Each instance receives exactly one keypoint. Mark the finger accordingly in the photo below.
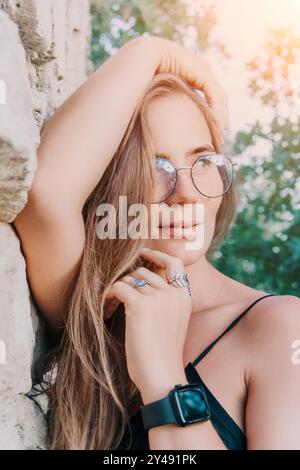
(142, 289)
(163, 260)
(110, 306)
(227, 128)
(214, 92)
(154, 279)
(123, 292)
(197, 70)
(219, 105)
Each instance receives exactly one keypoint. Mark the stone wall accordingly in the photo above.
(44, 49)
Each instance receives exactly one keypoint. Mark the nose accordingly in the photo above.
(185, 191)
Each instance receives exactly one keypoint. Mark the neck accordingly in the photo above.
(206, 284)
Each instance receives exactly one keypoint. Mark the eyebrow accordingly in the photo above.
(190, 152)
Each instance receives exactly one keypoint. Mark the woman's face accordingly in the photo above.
(177, 126)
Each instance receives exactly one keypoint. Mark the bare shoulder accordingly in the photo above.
(270, 331)
(272, 373)
(271, 314)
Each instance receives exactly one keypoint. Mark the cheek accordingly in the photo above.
(210, 217)
(211, 210)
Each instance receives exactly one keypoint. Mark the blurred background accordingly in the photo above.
(254, 48)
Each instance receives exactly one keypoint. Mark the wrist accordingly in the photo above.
(149, 47)
(160, 387)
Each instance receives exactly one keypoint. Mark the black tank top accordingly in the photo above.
(135, 437)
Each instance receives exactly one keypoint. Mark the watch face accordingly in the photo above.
(192, 405)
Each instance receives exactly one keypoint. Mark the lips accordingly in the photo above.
(181, 231)
(180, 224)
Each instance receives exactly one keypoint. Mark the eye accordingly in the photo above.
(205, 159)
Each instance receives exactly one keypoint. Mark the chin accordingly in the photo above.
(185, 249)
(177, 248)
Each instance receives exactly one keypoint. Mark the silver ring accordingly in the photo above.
(180, 279)
(139, 282)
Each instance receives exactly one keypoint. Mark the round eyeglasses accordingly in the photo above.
(212, 176)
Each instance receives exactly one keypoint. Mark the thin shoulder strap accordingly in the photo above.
(232, 324)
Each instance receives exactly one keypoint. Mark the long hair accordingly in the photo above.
(90, 392)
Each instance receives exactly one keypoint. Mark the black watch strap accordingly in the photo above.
(184, 404)
(158, 412)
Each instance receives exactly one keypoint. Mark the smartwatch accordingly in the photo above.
(184, 404)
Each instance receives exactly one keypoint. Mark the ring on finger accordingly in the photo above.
(139, 283)
(180, 279)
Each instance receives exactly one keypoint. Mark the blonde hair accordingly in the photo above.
(90, 391)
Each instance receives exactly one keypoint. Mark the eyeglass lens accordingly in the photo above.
(211, 175)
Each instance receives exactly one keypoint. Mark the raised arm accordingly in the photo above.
(80, 139)
(77, 144)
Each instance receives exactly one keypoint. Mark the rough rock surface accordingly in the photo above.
(44, 49)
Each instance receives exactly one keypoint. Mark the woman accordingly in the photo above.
(120, 344)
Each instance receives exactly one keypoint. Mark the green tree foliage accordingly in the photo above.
(263, 247)
(116, 21)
